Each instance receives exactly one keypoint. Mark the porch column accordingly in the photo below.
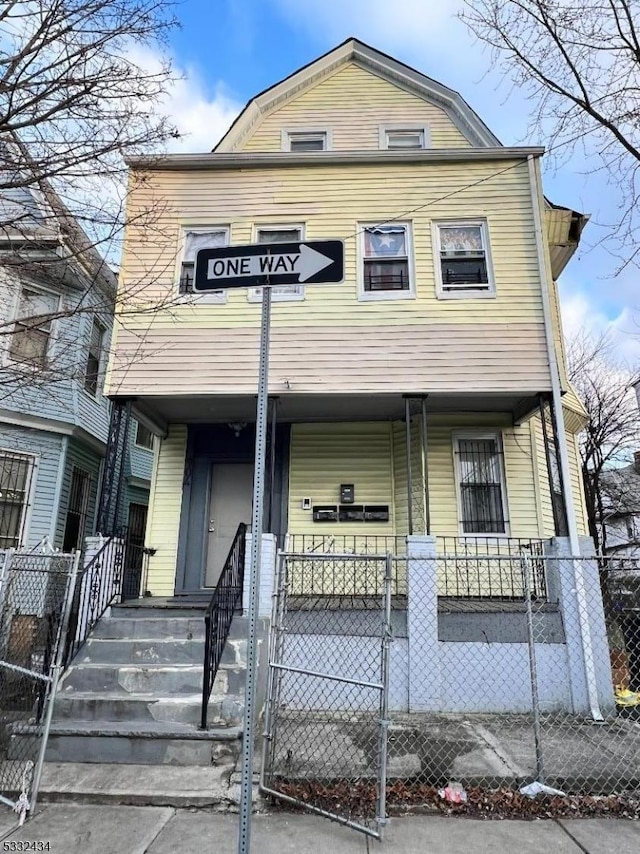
(422, 625)
(584, 659)
(554, 472)
(407, 422)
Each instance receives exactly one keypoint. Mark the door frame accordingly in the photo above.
(217, 443)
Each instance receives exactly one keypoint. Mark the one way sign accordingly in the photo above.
(258, 264)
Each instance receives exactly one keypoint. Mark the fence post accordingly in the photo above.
(533, 670)
(385, 655)
(56, 670)
(422, 624)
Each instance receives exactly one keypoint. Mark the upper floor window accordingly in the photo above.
(33, 327)
(402, 138)
(194, 240)
(480, 484)
(464, 264)
(279, 234)
(16, 475)
(94, 358)
(144, 437)
(305, 140)
(386, 261)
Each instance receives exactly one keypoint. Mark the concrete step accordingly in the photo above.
(140, 610)
(138, 785)
(133, 743)
(174, 628)
(117, 707)
(155, 651)
(162, 680)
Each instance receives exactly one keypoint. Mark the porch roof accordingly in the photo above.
(156, 412)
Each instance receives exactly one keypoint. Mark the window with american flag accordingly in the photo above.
(386, 260)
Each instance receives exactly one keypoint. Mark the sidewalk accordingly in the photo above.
(96, 829)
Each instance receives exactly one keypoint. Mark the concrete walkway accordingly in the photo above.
(94, 829)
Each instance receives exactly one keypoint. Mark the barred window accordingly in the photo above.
(481, 492)
(463, 259)
(33, 326)
(16, 473)
(386, 261)
(76, 520)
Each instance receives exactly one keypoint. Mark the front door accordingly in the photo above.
(231, 494)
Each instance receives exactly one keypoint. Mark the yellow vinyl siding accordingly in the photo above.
(469, 344)
(325, 455)
(353, 103)
(165, 503)
(372, 456)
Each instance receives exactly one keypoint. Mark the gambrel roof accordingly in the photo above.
(354, 51)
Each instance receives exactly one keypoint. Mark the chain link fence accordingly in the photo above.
(327, 710)
(35, 596)
(514, 670)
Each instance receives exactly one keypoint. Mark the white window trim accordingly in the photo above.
(198, 298)
(376, 296)
(144, 447)
(462, 292)
(287, 133)
(53, 334)
(254, 295)
(101, 364)
(456, 436)
(384, 129)
(27, 511)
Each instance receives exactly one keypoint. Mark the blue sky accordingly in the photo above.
(229, 50)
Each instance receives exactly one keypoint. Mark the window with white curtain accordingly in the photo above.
(278, 234)
(194, 240)
(34, 319)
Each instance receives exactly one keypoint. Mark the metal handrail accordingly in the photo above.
(98, 586)
(219, 614)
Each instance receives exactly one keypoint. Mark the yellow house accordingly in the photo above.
(413, 396)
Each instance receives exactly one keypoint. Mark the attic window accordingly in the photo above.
(403, 137)
(305, 140)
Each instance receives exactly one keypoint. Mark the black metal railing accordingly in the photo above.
(489, 568)
(98, 586)
(225, 600)
(344, 569)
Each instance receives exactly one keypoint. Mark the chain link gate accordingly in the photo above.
(36, 591)
(326, 719)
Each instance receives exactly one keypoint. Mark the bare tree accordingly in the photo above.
(614, 424)
(579, 65)
(81, 89)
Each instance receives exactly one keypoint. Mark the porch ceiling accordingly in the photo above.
(318, 407)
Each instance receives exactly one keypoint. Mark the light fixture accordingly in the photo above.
(237, 427)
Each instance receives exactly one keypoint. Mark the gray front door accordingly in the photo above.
(231, 494)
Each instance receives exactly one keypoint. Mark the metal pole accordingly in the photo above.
(533, 669)
(561, 439)
(244, 834)
(272, 461)
(61, 643)
(381, 818)
(407, 421)
(425, 468)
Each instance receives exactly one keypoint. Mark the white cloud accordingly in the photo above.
(201, 114)
(579, 313)
(409, 25)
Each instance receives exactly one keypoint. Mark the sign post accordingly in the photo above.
(266, 266)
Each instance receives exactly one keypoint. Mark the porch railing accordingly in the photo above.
(467, 568)
(225, 600)
(98, 586)
(344, 569)
(489, 567)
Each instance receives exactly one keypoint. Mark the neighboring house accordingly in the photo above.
(57, 316)
(448, 306)
(621, 506)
